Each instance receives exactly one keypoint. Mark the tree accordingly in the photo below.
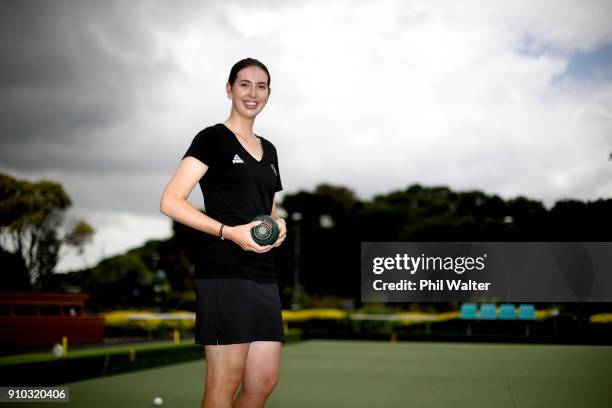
(119, 281)
(31, 215)
(14, 273)
(326, 261)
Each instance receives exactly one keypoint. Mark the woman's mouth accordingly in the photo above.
(250, 105)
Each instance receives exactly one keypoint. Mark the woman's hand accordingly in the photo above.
(241, 235)
(282, 233)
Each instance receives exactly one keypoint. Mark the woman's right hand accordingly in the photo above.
(241, 235)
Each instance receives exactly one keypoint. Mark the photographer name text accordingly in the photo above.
(431, 285)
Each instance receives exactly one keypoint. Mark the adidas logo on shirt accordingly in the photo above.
(274, 169)
(237, 159)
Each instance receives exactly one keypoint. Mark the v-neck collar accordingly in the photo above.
(261, 139)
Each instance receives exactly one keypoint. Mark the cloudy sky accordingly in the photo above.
(512, 98)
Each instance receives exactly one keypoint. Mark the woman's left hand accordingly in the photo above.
(282, 231)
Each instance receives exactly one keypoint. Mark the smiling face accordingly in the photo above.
(250, 91)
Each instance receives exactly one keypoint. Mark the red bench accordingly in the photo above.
(32, 319)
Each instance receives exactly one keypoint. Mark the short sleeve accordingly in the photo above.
(204, 146)
(279, 184)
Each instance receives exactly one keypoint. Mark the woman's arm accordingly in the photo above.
(281, 224)
(174, 203)
(274, 214)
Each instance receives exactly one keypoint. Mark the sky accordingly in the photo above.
(510, 98)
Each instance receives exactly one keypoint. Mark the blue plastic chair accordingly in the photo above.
(488, 311)
(507, 311)
(527, 311)
(468, 311)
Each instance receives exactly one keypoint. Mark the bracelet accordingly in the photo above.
(221, 231)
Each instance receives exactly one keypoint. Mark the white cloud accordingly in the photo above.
(116, 232)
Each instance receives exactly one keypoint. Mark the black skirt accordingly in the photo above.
(232, 311)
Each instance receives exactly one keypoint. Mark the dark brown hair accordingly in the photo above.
(244, 63)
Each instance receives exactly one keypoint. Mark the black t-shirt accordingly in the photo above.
(236, 188)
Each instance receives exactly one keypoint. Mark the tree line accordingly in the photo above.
(325, 228)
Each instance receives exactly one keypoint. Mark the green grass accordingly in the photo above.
(329, 373)
(91, 351)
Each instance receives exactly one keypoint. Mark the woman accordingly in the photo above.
(238, 316)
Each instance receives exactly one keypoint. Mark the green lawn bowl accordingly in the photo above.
(267, 232)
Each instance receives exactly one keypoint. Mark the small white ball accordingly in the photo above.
(58, 350)
(158, 401)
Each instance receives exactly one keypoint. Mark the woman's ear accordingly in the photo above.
(228, 89)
